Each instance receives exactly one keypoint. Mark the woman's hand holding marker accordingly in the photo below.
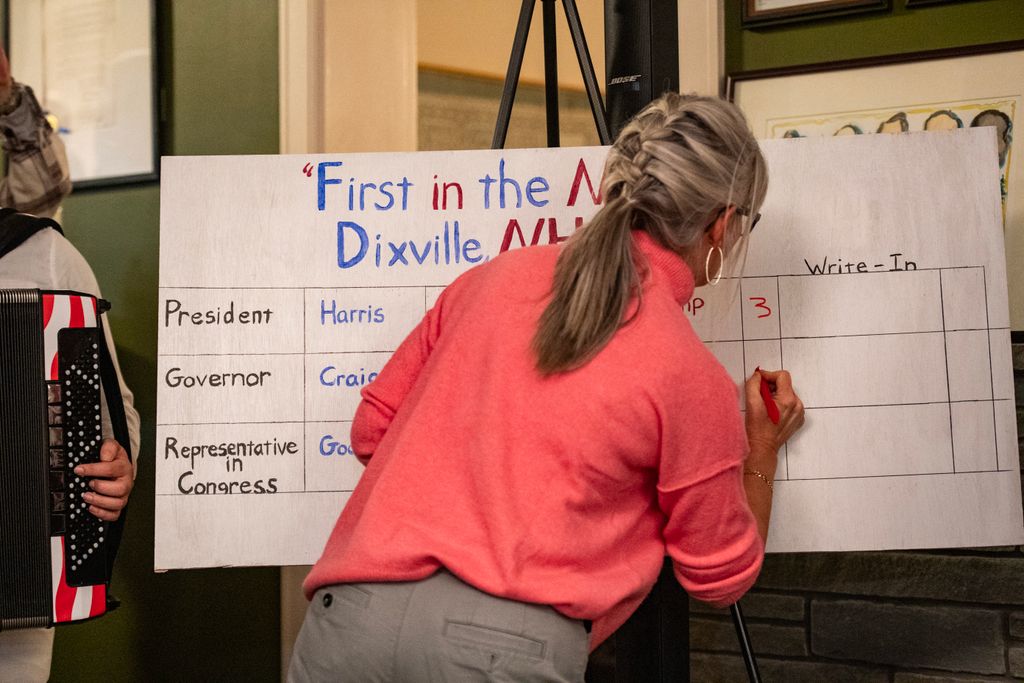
(774, 412)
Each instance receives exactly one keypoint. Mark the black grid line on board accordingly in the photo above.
(276, 494)
(782, 358)
(843, 478)
(912, 403)
(901, 476)
(909, 402)
(442, 285)
(849, 336)
(283, 353)
(222, 423)
(243, 288)
(743, 330)
(220, 355)
(868, 405)
(305, 443)
(778, 306)
(885, 271)
(945, 355)
(991, 373)
(290, 422)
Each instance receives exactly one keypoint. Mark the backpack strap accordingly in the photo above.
(17, 227)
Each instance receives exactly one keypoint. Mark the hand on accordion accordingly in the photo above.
(112, 481)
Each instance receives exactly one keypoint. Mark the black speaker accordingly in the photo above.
(641, 55)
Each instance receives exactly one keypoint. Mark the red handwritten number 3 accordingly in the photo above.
(761, 302)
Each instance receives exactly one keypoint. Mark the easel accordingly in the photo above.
(508, 96)
(515, 64)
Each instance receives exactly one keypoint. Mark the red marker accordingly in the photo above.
(769, 402)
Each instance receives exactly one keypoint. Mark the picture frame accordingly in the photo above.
(979, 85)
(96, 73)
(912, 4)
(757, 13)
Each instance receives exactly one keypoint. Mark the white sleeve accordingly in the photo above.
(70, 271)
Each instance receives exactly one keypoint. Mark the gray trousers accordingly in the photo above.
(437, 629)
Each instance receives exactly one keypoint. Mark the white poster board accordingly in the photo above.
(286, 281)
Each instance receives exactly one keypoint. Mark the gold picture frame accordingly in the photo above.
(757, 13)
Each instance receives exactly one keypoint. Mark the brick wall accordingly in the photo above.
(879, 617)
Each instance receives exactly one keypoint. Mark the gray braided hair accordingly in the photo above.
(672, 170)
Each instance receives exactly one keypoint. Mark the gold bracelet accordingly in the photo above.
(762, 477)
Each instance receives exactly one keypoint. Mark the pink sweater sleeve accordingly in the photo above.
(383, 397)
(710, 533)
(712, 537)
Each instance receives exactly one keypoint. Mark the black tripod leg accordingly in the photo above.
(748, 652)
(515, 65)
(587, 68)
(551, 72)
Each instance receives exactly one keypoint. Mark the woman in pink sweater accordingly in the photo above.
(551, 429)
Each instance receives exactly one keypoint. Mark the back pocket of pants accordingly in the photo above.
(493, 639)
(342, 604)
(352, 594)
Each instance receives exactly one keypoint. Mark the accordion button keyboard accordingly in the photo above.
(78, 358)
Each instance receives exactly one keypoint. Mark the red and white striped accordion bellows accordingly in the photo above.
(56, 555)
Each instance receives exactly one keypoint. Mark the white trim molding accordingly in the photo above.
(701, 46)
(301, 75)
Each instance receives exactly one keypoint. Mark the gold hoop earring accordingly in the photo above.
(721, 266)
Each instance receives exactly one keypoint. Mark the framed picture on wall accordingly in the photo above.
(765, 12)
(936, 90)
(922, 3)
(92, 65)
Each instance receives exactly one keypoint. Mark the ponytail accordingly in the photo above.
(594, 280)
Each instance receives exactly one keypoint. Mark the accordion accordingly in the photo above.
(56, 556)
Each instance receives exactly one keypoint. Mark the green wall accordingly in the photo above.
(902, 30)
(219, 84)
